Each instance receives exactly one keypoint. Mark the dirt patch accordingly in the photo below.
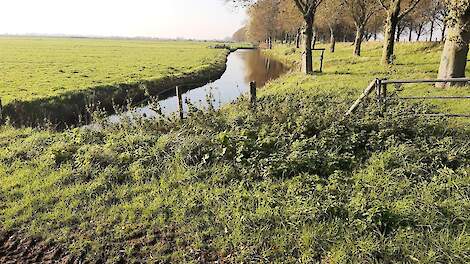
(16, 248)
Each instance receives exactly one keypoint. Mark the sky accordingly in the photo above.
(195, 19)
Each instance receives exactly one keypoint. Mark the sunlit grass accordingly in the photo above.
(348, 76)
(290, 182)
(33, 68)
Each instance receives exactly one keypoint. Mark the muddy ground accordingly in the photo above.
(17, 248)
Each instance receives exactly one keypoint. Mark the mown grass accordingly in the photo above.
(348, 76)
(47, 80)
(34, 68)
(290, 182)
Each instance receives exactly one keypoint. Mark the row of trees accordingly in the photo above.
(359, 20)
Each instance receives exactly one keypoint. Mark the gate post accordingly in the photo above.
(384, 97)
(378, 91)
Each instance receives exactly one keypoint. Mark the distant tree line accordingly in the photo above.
(305, 22)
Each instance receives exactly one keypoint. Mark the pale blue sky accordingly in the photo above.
(200, 19)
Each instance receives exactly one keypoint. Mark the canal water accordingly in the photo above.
(243, 66)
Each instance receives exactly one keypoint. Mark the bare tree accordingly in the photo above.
(263, 23)
(308, 9)
(441, 19)
(331, 15)
(290, 20)
(361, 11)
(375, 24)
(240, 35)
(420, 18)
(395, 12)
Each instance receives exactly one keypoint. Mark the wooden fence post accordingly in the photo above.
(321, 60)
(179, 96)
(378, 91)
(1, 112)
(253, 94)
(384, 97)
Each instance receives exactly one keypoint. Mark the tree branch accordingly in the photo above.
(382, 4)
(301, 7)
(318, 3)
(410, 8)
(312, 6)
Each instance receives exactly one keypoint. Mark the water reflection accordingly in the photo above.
(260, 68)
(243, 66)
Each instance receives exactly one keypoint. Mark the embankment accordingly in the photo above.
(73, 108)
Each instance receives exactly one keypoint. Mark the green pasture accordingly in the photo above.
(290, 182)
(348, 75)
(36, 68)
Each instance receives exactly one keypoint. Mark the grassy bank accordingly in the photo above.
(56, 79)
(348, 76)
(289, 182)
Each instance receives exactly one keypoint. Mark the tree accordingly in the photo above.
(361, 11)
(263, 25)
(393, 9)
(308, 9)
(400, 28)
(441, 18)
(419, 18)
(375, 24)
(454, 55)
(290, 21)
(240, 35)
(331, 15)
(436, 14)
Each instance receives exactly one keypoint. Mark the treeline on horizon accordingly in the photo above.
(341, 20)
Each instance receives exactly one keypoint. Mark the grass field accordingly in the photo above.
(290, 182)
(349, 75)
(57, 79)
(34, 68)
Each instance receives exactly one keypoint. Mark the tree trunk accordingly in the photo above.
(307, 60)
(410, 33)
(332, 40)
(358, 40)
(431, 31)
(443, 33)
(454, 55)
(398, 33)
(389, 32)
(297, 38)
(419, 32)
(315, 37)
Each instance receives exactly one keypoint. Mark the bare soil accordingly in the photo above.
(17, 248)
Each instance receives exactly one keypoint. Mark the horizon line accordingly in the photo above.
(86, 36)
